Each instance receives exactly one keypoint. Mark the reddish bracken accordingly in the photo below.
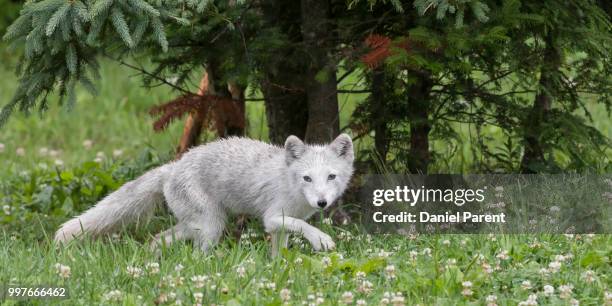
(381, 48)
(221, 112)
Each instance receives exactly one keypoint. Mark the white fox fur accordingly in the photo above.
(281, 186)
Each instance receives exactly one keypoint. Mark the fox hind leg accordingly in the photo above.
(169, 236)
(206, 230)
(201, 219)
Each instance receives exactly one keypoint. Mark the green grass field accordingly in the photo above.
(377, 269)
(372, 270)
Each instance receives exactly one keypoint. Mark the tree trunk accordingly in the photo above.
(418, 108)
(237, 94)
(286, 110)
(283, 87)
(193, 124)
(379, 113)
(533, 156)
(321, 83)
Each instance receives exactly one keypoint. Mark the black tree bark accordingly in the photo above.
(321, 84)
(283, 86)
(533, 156)
(418, 114)
(379, 113)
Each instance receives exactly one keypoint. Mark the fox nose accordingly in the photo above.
(322, 203)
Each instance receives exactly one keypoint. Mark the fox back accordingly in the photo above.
(249, 176)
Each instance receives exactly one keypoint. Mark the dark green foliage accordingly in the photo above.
(490, 73)
(528, 68)
(49, 193)
(63, 38)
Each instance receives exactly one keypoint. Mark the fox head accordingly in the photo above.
(322, 172)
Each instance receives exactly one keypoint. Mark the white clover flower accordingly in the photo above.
(487, 268)
(117, 152)
(503, 255)
(360, 275)
(574, 302)
(134, 272)
(326, 261)
(397, 299)
(54, 153)
(271, 285)
(298, 261)
(199, 280)
(491, 300)
(532, 300)
(162, 298)
(427, 251)
(6, 209)
(171, 295)
(62, 270)
(554, 209)
(365, 286)
(43, 151)
(347, 297)
(390, 271)
(2, 147)
(565, 291)
(20, 151)
(241, 270)
(113, 296)
(178, 268)
(549, 290)
(467, 292)
(87, 143)
(285, 294)
(446, 242)
(198, 296)
(152, 267)
(98, 160)
(59, 162)
(554, 266)
(361, 303)
(526, 285)
(327, 221)
(467, 284)
(589, 276)
(608, 298)
(100, 154)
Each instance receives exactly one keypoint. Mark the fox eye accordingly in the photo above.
(307, 178)
(331, 177)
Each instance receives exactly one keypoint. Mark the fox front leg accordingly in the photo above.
(319, 240)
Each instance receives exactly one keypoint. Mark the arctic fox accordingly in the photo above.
(281, 186)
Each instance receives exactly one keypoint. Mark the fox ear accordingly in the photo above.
(294, 149)
(343, 146)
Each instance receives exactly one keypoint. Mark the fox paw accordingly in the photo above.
(322, 242)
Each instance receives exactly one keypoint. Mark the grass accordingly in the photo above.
(426, 269)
